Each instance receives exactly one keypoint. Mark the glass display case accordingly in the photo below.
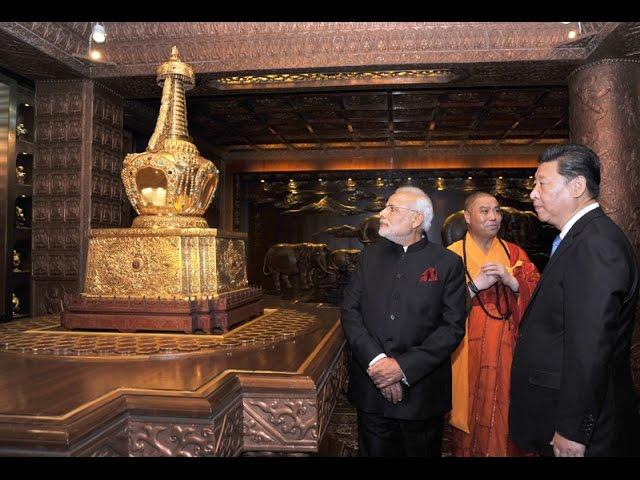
(16, 166)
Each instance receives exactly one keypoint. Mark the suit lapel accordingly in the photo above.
(562, 248)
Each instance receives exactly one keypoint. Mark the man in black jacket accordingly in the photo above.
(403, 315)
(571, 385)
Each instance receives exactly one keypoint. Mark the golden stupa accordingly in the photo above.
(170, 184)
(169, 271)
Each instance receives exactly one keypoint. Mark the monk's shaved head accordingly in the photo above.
(473, 197)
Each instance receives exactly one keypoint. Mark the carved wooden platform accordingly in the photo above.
(268, 386)
(210, 315)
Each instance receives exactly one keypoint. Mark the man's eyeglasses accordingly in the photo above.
(395, 208)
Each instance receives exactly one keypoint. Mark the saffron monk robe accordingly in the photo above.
(501, 279)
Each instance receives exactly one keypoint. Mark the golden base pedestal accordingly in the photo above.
(164, 263)
(166, 279)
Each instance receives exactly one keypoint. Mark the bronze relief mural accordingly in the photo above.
(307, 229)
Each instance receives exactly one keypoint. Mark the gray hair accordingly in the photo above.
(421, 204)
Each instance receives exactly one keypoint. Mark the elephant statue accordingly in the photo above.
(343, 259)
(368, 229)
(285, 259)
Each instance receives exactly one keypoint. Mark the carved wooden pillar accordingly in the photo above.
(605, 116)
(76, 182)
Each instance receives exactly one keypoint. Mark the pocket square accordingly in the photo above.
(429, 275)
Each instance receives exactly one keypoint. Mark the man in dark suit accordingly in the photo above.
(571, 385)
(403, 315)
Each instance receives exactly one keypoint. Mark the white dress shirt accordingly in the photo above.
(572, 221)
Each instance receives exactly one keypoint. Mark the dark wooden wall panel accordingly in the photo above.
(76, 181)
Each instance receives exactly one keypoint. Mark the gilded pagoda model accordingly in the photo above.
(169, 271)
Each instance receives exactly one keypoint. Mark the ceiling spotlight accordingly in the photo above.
(98, 33)
(499, 178)
(27, 105)
(565, 23)
(92, 55)
(576, 34)
(470, 178)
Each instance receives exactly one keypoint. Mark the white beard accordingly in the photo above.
(392, 236)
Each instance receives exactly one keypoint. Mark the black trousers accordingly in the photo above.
(379, 436)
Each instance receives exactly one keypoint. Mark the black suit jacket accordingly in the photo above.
(388, 309)
(571, 371)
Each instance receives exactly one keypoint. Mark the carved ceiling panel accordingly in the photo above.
(385, 117)
(28, 62)
(217, 48)
(137, 47)
(511, 87)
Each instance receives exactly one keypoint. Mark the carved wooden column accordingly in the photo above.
(77, 182)
(605, 115)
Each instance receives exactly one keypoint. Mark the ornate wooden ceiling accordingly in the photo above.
(507, 87)
(382, 118)
(493, 53)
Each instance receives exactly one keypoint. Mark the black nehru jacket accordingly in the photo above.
(390, 306)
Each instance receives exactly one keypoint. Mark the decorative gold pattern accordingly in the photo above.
(170, 178)
(147, 266)
(149, 221)
(230, 264)
(38, 337)
(281, 80)
(164, 263)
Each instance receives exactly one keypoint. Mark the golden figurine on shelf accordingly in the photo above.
(21, 219)
(15, 303)
(170, 271)
(21, 175)
(21, 130)
(16, 261)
